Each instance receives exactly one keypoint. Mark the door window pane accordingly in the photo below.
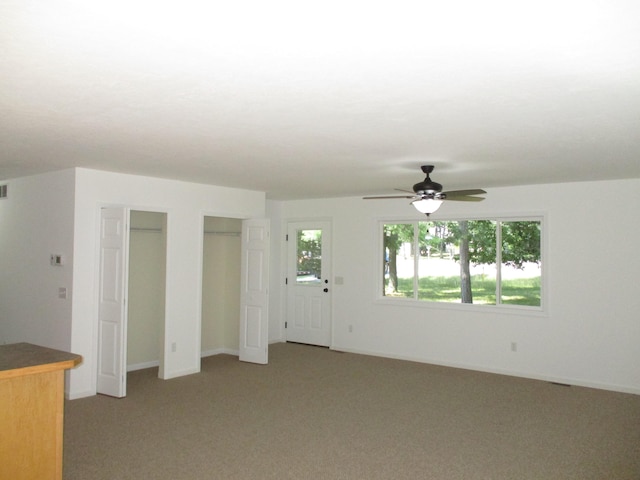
(309, 257)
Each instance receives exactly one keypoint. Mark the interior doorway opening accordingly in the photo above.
(222, 244)
(146, 290)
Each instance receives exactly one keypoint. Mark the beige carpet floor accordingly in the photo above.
(316, 413)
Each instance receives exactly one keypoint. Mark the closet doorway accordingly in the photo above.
(220, 332)
(146, 290)
(131, 312)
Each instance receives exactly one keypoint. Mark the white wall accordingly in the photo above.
(186, 204)
(36, 220)
(590, 333)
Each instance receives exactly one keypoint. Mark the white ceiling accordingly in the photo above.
(320, 99)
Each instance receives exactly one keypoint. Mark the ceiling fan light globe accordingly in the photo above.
(427, 205)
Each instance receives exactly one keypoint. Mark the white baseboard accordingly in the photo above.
(75, 396)
(219, 351)
(180, 373)
(531, 376)
(142, 366)
(206, 353)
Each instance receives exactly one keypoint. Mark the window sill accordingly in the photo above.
(503, 309)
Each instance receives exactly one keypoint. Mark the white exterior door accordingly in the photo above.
(254, 294)
(112, 314)
(308, 283)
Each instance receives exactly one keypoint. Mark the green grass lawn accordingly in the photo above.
(521, 291)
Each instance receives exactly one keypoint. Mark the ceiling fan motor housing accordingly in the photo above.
(427, 187)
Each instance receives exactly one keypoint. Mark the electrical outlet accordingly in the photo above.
(174, 347)
(56, 259)
(514, 347)
(350, 328)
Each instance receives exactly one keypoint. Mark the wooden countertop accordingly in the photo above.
(25, 359)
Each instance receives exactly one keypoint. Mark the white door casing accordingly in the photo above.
(309, 293)
(112, 312)
(254, 293)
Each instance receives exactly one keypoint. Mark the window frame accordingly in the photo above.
(526, 310)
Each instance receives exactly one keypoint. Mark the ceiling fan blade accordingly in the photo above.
(430, 190)
(391, 196)
(407, 191)
(464, 198)
(457, 193)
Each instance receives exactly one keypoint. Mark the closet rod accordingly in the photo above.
(226, 234)
(229, 234)
(141, 229)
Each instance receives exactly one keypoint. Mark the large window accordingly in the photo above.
(486, 262)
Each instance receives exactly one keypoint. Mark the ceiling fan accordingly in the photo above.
(428, 195)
